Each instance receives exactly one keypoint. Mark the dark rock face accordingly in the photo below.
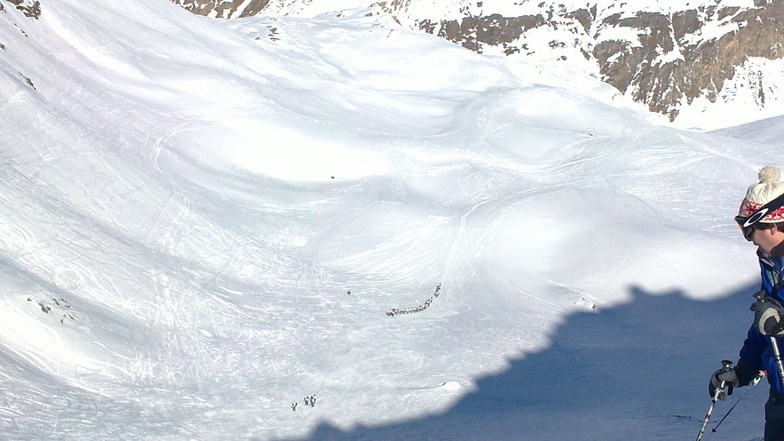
(223, 8)
(475, 32)
(665, 60)
(701, 66)
(30, 8)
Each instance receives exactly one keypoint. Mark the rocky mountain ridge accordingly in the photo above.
(30, 8)
(667, 56)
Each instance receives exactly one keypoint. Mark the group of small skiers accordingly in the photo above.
(309, 401)
(395, 311)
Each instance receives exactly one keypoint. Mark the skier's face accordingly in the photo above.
(769, 240)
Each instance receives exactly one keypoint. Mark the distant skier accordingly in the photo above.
(761, 219)
(313, 401)
(307, 401)
(294, 406)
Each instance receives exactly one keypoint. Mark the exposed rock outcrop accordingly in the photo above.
(30, 8)
(224, 8)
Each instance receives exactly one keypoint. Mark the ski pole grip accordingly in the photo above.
(726, 366)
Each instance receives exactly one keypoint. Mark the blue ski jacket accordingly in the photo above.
(757, 349)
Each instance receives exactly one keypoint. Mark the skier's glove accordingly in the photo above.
(730, 379)
(768, 315)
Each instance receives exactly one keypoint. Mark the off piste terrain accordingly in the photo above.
(205, 221)
(689, 61)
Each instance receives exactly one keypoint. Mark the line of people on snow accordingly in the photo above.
(395, 311)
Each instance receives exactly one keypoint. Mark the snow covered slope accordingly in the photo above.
(706, 64)
(203, 222)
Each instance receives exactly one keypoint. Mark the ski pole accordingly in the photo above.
(752, 384)
(725, 365)
(774, 345)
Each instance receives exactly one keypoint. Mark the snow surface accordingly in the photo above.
(204, 221)
(743, 98)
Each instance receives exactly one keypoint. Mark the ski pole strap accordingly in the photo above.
(753, 383)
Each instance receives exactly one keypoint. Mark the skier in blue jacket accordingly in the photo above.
(761, 219)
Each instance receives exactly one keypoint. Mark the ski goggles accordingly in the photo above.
(747, 223)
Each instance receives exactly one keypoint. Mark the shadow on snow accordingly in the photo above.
(636, 371)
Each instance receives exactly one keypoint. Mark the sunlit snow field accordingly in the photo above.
(204, 221)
